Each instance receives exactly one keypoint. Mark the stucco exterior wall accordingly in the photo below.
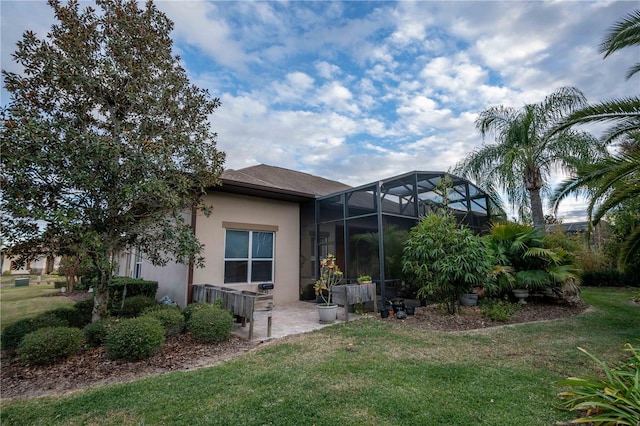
(256, 212)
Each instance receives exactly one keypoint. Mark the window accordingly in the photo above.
(248, 256)
(138, 267)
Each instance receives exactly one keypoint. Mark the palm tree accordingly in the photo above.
(625, 112)
(613, 182)
(527, 150)
(610, 183)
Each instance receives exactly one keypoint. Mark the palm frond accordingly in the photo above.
(622, 34)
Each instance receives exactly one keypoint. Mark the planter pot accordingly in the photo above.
(521, 294)
(411, 310)
(327, 313)
(469, 299)
(384, 313)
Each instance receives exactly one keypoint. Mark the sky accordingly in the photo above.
(361, 91)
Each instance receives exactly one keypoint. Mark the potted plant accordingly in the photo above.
(330, 276)
(365, 279)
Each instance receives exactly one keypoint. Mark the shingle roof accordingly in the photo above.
(281, 180)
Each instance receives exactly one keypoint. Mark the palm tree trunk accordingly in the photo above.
(536, 208)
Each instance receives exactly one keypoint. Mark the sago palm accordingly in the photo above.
(527, 150)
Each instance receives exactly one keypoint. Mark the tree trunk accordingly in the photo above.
(100, 296)
(536, 208)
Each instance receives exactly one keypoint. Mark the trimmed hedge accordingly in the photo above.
(606, 278)
(134, 339)
(211, 325)
(50, 344)
(13, 334)
(170, 317)
(194, 307)
(134, 306)
(95, 333)
(125, 287)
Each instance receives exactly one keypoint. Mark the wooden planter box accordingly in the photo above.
(351, 294)
(249, 305)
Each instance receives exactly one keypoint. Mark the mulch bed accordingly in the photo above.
(92, 367)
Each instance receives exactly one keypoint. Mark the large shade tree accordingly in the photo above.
(527, 151)
(105, 142)
(613, 182)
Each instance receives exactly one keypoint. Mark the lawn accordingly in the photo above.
(368, 373)
(22, 302)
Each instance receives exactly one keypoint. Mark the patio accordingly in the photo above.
(289, 319)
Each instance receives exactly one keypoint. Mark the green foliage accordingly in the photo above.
(104, 140)
(189, 310)
(610, 400)
(84, 309)
(50, 344)
(134, 306)
(124, 287)
(210, 325)
(445, 259)
(497, 309)
(171, 318)
(526, 152)
(95, 333)
(526, 259)
(13, 334)
(605, 278)
(134, 338)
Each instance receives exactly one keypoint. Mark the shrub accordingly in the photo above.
(170, 317)
(604, 278)
(85, 311)
(124, 287)
(13, 333)
(50, 344)
(135, 305)
(498, 310)
(211, 325)
(612, 399)
(445, 259)
(194, 307)
(95, 333)
(134, 339)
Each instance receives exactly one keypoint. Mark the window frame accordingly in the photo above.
(250, 259)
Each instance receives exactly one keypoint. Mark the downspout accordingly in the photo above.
(190, 273)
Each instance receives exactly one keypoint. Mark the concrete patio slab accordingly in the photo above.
(292, 318)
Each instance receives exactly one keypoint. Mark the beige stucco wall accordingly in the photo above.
(252, 211)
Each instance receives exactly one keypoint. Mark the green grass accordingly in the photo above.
(368, 373)
(22, 302)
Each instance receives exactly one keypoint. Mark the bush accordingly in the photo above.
(194, 307)
(133, 306)
(84, 308)
(170, 317)
(125, 287)
(498, 310)
(95, 333)
(13, 333)
(604, 278)
(446, 260)
(211, 325)
(612, 399)
(134, 339)
(50, 344)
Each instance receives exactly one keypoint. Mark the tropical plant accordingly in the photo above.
(364, 279)
(611, 183)
(445, 259)
(330, 276)
(610, 400)
(527, 150)
(523, 259)
(105, 143)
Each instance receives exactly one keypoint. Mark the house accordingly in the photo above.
(270, 225)
(42, 265)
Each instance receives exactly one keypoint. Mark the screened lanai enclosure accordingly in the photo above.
(366, 227)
